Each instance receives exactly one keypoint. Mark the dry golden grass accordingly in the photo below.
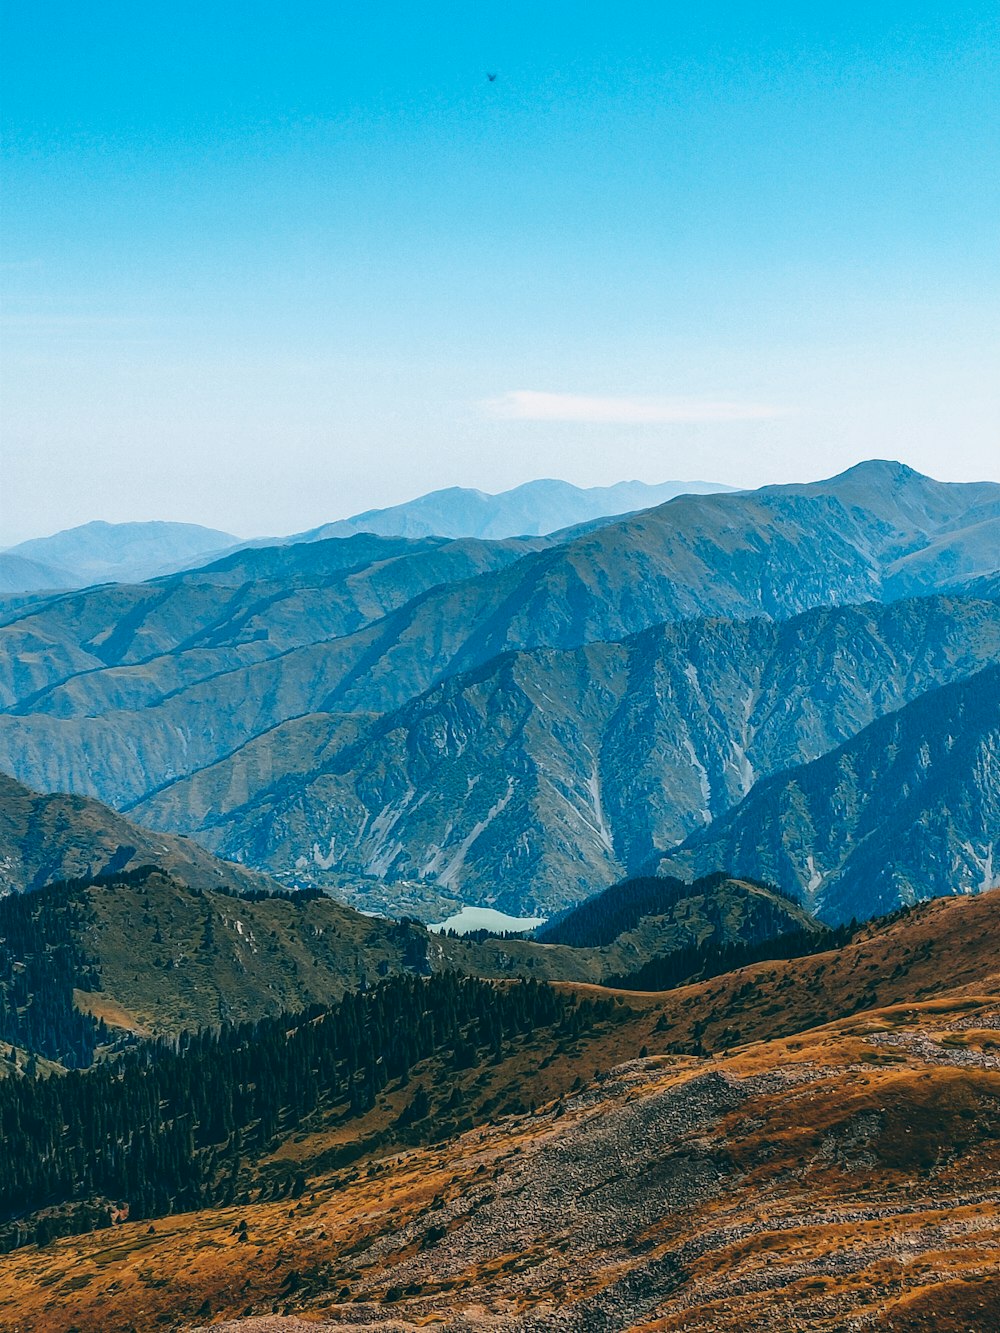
(861, 1174)
(102, 1006)
(792, 1191)
(947, 945)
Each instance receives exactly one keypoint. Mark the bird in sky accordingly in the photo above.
(492, 78)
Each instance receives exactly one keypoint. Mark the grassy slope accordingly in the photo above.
(829, 1154)
(948, 945)
(173, 957)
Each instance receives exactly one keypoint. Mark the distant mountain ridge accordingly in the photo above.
(128, 672)
(536, 779)
(530, 510)
(100, 552)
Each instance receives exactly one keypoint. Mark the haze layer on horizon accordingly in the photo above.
(267, 266)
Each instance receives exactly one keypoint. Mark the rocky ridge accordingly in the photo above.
(908, 809)
(541, 777)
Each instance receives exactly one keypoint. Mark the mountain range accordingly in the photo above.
(530, 782)
(704, 740)
(229, 943)
(428, 722)
(100, 552)
(532, 509)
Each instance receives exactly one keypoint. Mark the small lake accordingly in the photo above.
(486, 918)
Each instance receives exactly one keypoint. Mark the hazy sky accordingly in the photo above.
(268, 264)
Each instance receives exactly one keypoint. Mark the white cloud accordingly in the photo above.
(531, 405)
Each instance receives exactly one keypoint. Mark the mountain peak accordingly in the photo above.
(874, 469)
(898, 496)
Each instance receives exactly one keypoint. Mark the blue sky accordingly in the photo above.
(267, 264)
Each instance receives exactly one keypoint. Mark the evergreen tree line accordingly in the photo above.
(698, 962)
(307, 895)
(482, 933)
(166, 1127)
(601, 919)
(41, 960)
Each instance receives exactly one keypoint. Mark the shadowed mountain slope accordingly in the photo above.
(691, 929)
(52, 837)
(909, 808)
(624, 909)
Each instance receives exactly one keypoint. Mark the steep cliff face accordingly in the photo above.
(543, 776)
(908, 809)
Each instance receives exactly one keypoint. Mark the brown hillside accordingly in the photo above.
(844, 1176)
(948, 945)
